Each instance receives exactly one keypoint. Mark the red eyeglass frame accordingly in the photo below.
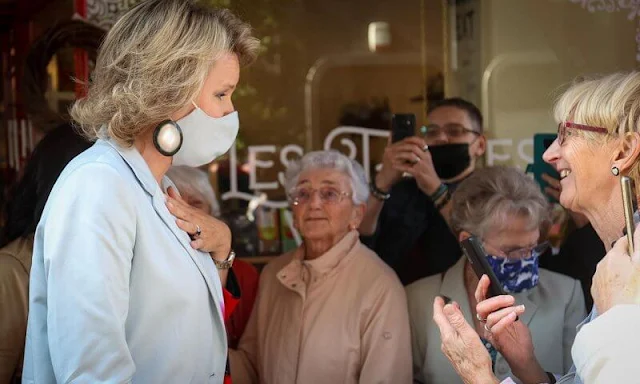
(562, 129)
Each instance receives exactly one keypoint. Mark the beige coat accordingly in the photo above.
(341, 318)
(553, 310)
(15, 263)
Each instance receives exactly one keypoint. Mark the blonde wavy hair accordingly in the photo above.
(611, 102)
(153, 62)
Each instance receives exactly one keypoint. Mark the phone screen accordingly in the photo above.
(403, 125)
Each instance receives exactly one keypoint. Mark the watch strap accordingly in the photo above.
(227, 263)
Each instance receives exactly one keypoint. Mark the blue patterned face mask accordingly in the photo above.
(516, 275)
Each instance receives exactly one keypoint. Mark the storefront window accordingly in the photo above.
(332, 72)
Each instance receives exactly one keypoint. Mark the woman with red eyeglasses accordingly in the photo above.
(598, 142)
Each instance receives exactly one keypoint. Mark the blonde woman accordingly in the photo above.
(124, 285)
(598, 141)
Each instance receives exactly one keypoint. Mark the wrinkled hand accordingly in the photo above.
(408, 156)
(509, 336)
(553, 190)
(617, 277)
(215, 236)
(461, 344)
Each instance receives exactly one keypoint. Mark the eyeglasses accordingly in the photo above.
(328, 195)
(452, 130)
(563, 126)
(522, 253)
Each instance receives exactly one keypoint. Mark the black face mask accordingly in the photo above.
(450, 160)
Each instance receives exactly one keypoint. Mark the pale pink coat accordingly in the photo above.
(341, 318)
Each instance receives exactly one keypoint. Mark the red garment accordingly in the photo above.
(238, 309)
(230, 304)
(247, 276)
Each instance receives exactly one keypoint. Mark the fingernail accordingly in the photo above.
(521, 307)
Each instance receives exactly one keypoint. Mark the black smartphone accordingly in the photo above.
(475, 253)
(630, 205)
(403, 125)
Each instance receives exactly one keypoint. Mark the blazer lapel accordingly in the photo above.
(197, 257)
(529, 307)
(141, 170)
(453, 287)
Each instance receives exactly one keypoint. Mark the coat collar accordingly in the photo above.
(333, 257)
(143, 174)
(453, 287)
(138, 166)
(299, 272)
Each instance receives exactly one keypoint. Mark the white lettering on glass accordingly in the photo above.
(498, 151)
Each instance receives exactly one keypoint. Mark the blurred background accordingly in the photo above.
(330, 75)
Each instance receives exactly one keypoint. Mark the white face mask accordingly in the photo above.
(204, 138)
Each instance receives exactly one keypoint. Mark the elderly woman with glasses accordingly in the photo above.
(505, 209)
(598, 142)
(330, 311)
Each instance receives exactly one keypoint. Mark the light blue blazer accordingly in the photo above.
(117, 294)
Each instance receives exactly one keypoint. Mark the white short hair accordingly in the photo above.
(330, 159)
(193, 179)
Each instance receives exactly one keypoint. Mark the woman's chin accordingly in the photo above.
(568, 201)
(567, 196)
(315, 234)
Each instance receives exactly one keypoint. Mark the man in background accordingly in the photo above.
(406, 218)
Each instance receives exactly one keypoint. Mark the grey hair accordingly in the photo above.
(330, 159)
(194, 180)
(485, 200)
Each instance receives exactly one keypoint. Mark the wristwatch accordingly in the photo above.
(226, 264)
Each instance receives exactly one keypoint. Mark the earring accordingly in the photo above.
(167, 137)
(615, 171)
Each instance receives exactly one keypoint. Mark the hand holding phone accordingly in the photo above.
(477, 257)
